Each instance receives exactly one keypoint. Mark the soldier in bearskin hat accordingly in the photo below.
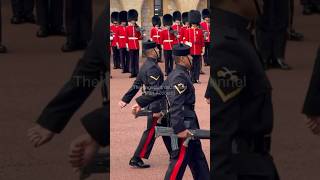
(122, 39)
(114, 39)
(134, 35)
(167, 37)
(205, 25)
(186, 25)
(195, 39)
(177, 26)
(155, 34)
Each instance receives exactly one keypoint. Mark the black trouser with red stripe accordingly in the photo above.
(125, 60)
(206, 53)
(192, 156)
(160, 52)
(168, 61)
(116, 57)
(134, 62)
(148, 138)
(196, 67)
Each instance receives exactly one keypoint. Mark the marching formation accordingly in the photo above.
(181, 40)
(186, 28)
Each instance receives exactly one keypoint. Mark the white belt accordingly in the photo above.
(132, 38)
(156, 36)
(167, 40)
(121, 36)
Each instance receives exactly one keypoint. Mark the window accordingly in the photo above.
(158, 7)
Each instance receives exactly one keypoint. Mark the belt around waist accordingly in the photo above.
(121, 36)
(188, 107)
(133, 38)
(167, 40)
(256, 144)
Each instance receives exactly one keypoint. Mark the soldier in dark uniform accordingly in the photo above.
(3, 49)
(50, 17)
(150, 79)
(240, 94)
(78, 24)
(180, 93)
(310, 6)
(271, 33)
(22, 11)
(87, 74)
(312, 101)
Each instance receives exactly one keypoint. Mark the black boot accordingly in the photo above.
(279, 63)
(295, 36)
(3, 49)
(265, 64)
(138, 163)
(42, 32)
(317, 8)
(308, 10)
(30, 19)
(17, 20)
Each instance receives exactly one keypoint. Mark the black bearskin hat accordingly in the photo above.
(176, 16)
(185, 17)
(194, 17)
(205, 13)
(123, 16)
(167, 20)
(115, 16)
(132, 15)
(156, 20)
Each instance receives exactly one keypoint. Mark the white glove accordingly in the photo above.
(188, 43)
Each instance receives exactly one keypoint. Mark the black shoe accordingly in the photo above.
(295, 36)
(279, 63)
(17, 20)
(138, 163)
(266, 64)
(3, 49)
(317, 8)
(67, 47)
(42, 33)
(132, 76)
(30, 19)
(307, 10)
(57, 32)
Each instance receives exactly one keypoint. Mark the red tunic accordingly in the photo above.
(183, 33)
(167, 39)
(113, 34)
(177, 28)
(206, 28)
(194, 38)
(133, 37)
(155, 35)
(122, 37)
